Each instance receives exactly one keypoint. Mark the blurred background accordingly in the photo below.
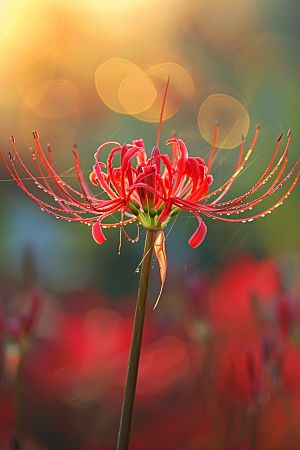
(221, 362)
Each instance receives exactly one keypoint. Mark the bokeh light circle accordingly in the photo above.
(54, 99)
(181, 88)
(123, 87)
(232, 116)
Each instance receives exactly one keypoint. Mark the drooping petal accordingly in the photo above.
(160, 252)
(98, 233)
(199, 234)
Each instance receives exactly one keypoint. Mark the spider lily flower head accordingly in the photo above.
(150, 190)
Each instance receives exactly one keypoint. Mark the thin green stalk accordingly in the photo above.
(136, 344)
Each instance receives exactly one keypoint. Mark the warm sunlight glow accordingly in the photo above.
(232, 116)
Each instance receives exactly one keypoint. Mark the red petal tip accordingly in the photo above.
(93, 178)
(199, 234)
(98, 233)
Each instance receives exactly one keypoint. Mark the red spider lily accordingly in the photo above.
(143, 193)
(151, 191)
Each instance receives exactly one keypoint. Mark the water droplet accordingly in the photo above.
(250, 220)
(119, 253)
(263, 215)
(137, 270)
(243, 221)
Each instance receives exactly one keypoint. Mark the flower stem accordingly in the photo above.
(136, 344)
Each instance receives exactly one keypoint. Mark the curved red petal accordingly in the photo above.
(98, 233)
(199, 234)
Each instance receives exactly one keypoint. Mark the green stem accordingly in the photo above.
(136, 344)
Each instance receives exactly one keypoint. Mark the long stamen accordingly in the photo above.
(57, 180)
(261, 182)
(236, 172)
(238, 163)
(49, 190)
(60, 193)
(161, 113)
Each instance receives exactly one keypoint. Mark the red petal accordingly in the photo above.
(93, 178)
(166, 211)
(199, 234)
(98, 233)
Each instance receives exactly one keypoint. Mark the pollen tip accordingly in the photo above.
(289, 133)
(35, 134)
(74, 144)
(279, 137)
(174, 134)
(10, 156)
(243, 138)
(217, 122)
(49, 147)
(13, 139)
(258, 126)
